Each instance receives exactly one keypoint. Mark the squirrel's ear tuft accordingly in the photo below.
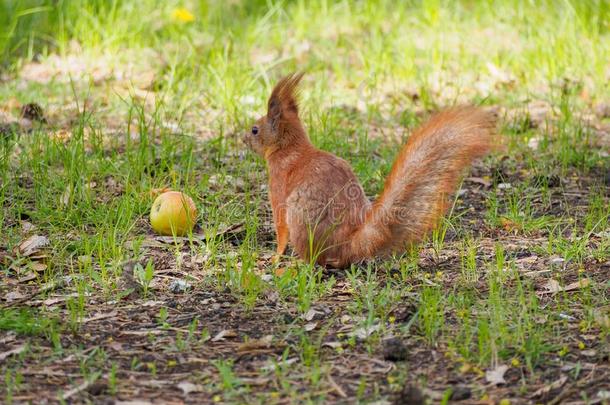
(283, 99)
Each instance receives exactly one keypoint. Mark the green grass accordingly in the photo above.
(27, 322)
(145, 101)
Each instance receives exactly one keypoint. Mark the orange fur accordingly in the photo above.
(320, 207)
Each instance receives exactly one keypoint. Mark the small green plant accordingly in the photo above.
(12, 381)
(76, 311)
(28, 321)
(440, 232)
(309, 352)
(144, 275)
(162, 317)
(228, 380)
(371, 300)
(431, 313)
(112, 379)
(468, 257)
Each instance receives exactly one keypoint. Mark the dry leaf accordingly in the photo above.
(27, 226)
(101, 316)
(116, 346)
(13, 296)
(479, 180)
(333, 345)
(256, 344)
(557, 260)
(28, 277)
(310, 326)
(602, 316)
(577, 284)
(496, 376)
(272, 295)
(589, 352)
(33, 244)
(273, 366)
(548, 388)
(79, 388)
(603, 394)
(364, 332)
(52, 301)
(553, 286)
(10, 337)
(37, 266)
(309, 315)
(11, 352)
(223, 334)
(64, 200)
(188, 387)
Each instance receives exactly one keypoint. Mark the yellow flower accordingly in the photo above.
(581, 346)
(515, 362)
(182, 14)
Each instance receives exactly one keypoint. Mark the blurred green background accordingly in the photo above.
(448, 43)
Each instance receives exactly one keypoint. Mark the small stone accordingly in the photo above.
(179, 286)
(460, 393)
(33, 112)
(410, 395)
(557, 260)
(394, 350)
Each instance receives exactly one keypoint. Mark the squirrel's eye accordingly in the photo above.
(254, 130)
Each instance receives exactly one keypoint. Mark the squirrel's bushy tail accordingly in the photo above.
(423, 177)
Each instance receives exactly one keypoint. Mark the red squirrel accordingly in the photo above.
(320, 207)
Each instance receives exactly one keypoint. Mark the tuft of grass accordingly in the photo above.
(25, 321)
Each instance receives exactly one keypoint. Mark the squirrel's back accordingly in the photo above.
(325, 203)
